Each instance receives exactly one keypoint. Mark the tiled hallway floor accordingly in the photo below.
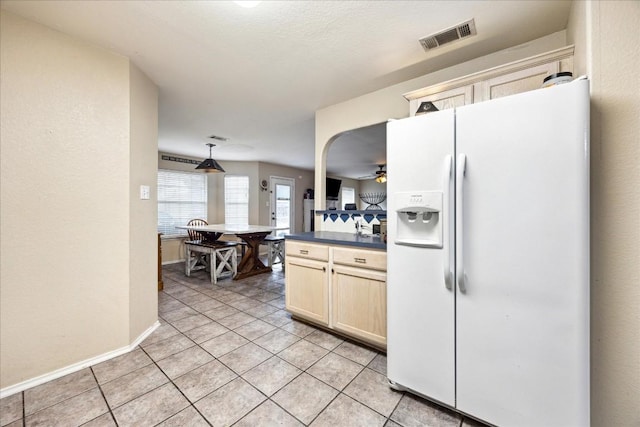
(228, 355)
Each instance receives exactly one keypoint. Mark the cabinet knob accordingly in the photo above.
(360, 260)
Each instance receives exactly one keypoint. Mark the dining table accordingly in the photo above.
(252, 235)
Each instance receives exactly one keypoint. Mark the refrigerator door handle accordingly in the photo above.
(460, 172)
(446, 242)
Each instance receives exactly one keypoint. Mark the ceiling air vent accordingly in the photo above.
(460, 31)
(219, 138)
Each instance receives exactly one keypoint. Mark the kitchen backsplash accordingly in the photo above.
(345, 221)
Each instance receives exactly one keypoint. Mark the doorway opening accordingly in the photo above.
(282, 209)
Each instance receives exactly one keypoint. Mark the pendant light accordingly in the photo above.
(210, 165)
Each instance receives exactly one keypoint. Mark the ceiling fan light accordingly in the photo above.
(382, 178)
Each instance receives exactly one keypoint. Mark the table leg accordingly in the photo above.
(210, 236)
(251, 263)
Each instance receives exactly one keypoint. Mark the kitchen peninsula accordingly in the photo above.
(338, 280)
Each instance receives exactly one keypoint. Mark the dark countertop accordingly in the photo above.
(338, 238)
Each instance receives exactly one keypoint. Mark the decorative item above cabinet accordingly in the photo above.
(514, 77)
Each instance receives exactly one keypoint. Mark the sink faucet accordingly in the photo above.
(359, 227)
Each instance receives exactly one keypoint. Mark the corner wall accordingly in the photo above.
(65, 186)
(143, 169)
(607, 51)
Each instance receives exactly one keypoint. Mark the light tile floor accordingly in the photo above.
(228, 355)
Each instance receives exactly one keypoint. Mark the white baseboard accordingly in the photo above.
(173, 262)
(16, 388)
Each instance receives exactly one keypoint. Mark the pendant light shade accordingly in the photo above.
(209, 165)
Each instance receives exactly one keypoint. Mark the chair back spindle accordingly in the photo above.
(193, 234)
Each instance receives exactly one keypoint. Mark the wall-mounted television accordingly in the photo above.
(333, 188)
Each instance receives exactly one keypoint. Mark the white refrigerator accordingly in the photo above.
(488, 257)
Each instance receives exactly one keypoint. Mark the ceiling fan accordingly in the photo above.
(380, 175)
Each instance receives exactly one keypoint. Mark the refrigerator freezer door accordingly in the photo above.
(420, 305)
(522, 323)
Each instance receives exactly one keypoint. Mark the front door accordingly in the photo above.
(282, 214)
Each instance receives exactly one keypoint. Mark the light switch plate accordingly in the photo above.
(145, 192)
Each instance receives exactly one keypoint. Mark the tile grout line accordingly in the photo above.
(243, 294)
(104, 398)
(339, 392)
(303, 371)
(272, 355)
(238, 375)
(24, 410)
(177, 388)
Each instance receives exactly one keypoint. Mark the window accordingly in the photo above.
(182, 196)
(348, 196)
(236, 200)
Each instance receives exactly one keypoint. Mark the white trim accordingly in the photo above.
(272, 199)
(16, 388)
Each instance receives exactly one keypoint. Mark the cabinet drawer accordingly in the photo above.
(307, 250)
(376, 260)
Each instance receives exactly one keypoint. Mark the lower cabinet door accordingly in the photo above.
(359, 303)
(307, 289)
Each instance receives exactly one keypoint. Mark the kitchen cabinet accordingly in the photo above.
(516, 82)
(452, 98)
(307, 281)
(509, 79)
(351, 300)
(359, 294)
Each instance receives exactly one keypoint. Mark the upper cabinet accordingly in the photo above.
(509, 79)
(516, 82)
(456, 97)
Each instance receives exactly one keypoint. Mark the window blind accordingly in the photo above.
(236, 200)
(182, 196)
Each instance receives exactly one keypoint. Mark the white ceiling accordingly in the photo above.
(256, 76)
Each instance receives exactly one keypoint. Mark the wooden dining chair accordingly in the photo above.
(195, 260)
(193, 234)
(217, 257)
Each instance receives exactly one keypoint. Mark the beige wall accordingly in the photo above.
(303, 179)
(65, 203)
(143, 169)
(606, 40)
